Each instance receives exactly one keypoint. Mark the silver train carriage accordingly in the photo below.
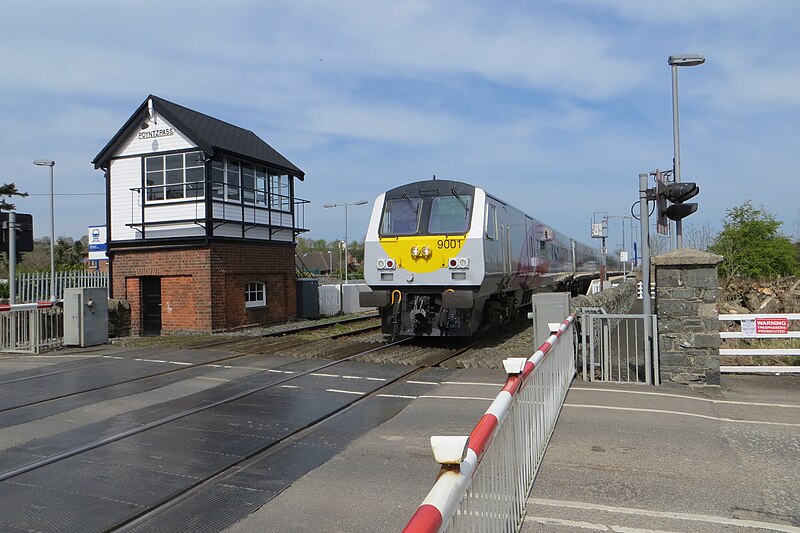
(446, 258)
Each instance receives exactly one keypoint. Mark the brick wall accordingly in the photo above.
(202, 289)
(235, 265)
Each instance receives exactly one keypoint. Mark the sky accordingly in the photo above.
(555, 106)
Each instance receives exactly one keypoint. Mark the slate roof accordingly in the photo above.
(210, 134)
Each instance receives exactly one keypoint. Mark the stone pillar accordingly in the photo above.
(688, 323)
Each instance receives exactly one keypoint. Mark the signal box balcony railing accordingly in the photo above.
(159, 206)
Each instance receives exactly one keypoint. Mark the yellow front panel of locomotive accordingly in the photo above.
(442, 249)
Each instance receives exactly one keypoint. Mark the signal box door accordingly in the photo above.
(151, 306)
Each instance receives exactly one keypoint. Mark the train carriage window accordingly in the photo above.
(450, 214)
(491, 221)
(401, 216)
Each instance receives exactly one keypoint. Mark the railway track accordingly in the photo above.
(269, 342)
(64, 455)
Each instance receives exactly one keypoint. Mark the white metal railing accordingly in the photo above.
(487, 488)
(30, 328)
(35, 286)
(761, 326)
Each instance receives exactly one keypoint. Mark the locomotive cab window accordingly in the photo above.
(450, 214)
(401, 216)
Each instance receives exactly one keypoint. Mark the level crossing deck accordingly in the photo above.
(622, 458)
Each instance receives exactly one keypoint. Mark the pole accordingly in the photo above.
(644, 221)
(12, 257)
(346, 259)
(603, 263)
(676, 142)
(12, 276)
(52, 236)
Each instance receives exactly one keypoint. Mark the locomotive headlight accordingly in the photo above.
(381, 264)
(414, 252)
(426, 252)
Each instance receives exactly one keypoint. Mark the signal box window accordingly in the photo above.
(174, 176)
(401, 216)
(450, 214)
(255, 294)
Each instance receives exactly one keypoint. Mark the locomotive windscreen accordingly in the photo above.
(449, 214)
(401, 217)
(437, 207)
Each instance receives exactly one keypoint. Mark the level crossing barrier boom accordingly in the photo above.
(486, 487)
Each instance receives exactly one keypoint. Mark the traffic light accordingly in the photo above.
(677, 193)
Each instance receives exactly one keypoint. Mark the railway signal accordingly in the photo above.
(677, 194)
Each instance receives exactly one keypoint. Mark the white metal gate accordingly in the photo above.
(617, 348)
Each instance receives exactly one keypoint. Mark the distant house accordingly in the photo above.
(202, 220)
(316, 263)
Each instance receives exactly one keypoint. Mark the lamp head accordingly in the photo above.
(686, 60)
(44, 163)
(329, 205)
(361, 202)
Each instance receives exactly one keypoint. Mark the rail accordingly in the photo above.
(31, 327)
(486, 487)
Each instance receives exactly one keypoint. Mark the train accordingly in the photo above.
(447, 258)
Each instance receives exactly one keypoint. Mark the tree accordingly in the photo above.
(9, 190)
(69, 253)
(699, 237)
(752, 247)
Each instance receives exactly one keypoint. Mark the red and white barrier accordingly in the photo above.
(26, 306)
(442, 502)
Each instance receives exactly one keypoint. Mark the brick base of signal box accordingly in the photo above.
(203, 288)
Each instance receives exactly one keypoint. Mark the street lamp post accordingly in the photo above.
(345, 205)
(684, 60)
(52, 164)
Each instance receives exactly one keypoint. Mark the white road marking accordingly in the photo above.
(593, 527)
(423, 382)
(591, 389)
(436, 397)
(498, 385)
(681, 413)
(346, 392)
(396, 396)
(667, 514)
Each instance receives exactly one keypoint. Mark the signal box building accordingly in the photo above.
(202, 220)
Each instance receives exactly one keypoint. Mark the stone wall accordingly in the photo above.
(615, 301)
(119, 318)
(688, 324)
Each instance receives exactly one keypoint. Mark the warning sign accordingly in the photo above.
(772, 326)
